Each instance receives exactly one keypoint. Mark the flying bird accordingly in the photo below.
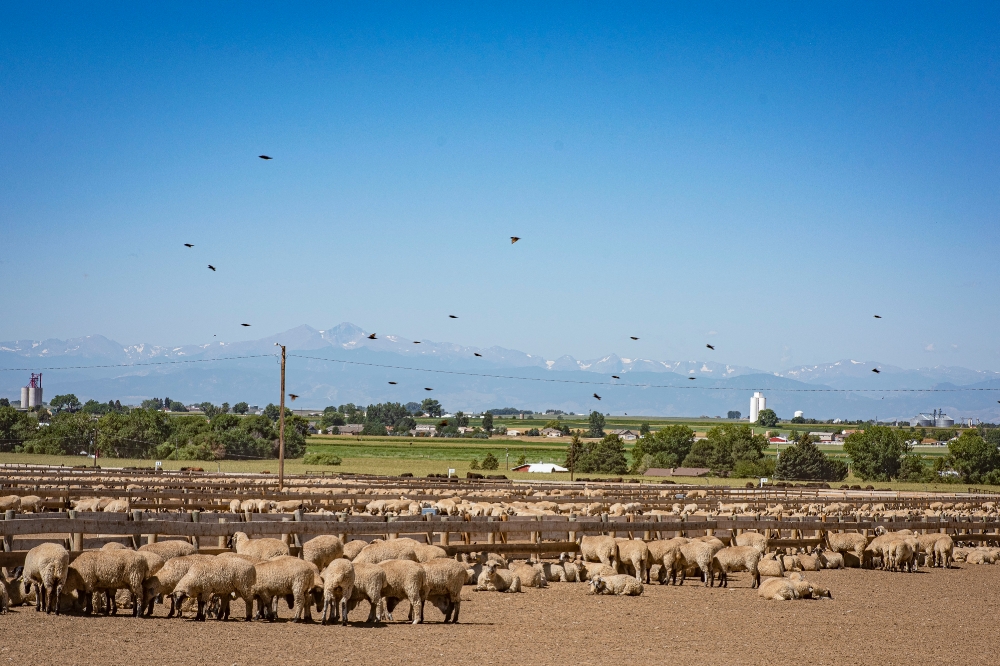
(710, 347)
(876, 370)
(477, 354)
(597, 396)
(514, 239)
(244, 324)
(188, 245)
(292, 396)
(878, 316)
(212, 267)
(615, 377)
(265, 157)
(428, 389)
(633, 337)
(452, 317)
(416, 342)
(392, 383)
(691, 378)
(372, 337)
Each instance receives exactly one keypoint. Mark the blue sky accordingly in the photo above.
(761, 176)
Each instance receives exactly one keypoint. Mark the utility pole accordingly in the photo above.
(281, 424)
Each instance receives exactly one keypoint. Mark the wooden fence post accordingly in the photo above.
(296, 537)
(286, 538)
(223, 539)
(392, 535)
(491, 537)
(196, 518)
(571, 535)
(136, 538)
(76, 538)
(8, 539)
(445, 537)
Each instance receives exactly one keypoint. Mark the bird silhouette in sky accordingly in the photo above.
(633, 337)
(514, 239)
(876, 370)
(615, 377)
(691, 378)
(265, 157)
(878, 316)
(710, 347)
(416, 342)
(452, 317)
(372, 337)
(392, 383)
(477, 354)
(244, 324)
(428, 389)
(188, 245)
(212, 267)
(597, 396)
(293, 396)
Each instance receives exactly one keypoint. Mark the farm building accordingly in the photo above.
(551, 432)
(544, 468)
(627, 435)
(677, 471)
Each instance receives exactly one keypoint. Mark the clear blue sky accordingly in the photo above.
(762, 176)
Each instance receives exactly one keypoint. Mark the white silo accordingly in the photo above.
(24, 397)
(757, 403)
(31, 395)
(799, 414)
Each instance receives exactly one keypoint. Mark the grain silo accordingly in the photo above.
(31, 395)
(757, 403)
(942, 421)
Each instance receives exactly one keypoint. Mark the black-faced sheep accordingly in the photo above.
(404, 579)
(45, 568)
(338, 586)
(444, 580)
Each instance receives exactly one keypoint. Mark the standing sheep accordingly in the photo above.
(352, 548)
(696, 555)
(165, 580)
(107, 571)
(848, 544)
(445, 578)
(338, 586)
(601, 549)
(381, 551)
(45, 568)
(737, 558)
(634, 554)
(263, 549)
(322, 549)
(284, 576)
(404, 579)
(222, 576)
(369, 580)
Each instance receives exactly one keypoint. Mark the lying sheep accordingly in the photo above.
(284, 576)
(369, 580)
(590, 570)
(338, 586)
(165, 580)
(782, 589)
(831, 560)
(633, 554)
(495, 579)
(45, 569)
(444, 581)
(736, 558)
(170, 548)
(322, 550)
(622, 585)
(221, 576)
(107, 571)
(529, 575)
(603, 549)
(771, 567)
(404, 579)
(263, 549)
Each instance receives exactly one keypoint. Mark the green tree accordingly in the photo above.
(573, 453)
(488, 422)
(223, 408)
(668, 447)
(15, 428)
(461, 420)
(241, 408)
(734, 415)
(730, 448)
(973, 457)
(604, 457)
(767, 418)
(272, 412)
(209, 410)
(876, 452)
(431, 407)
(596, 424)
(331, 418)
(152, 403)
(94, 407)
(66, 434)
(133, 434)
(374, 428)
(913, 469)
(644, 429)
(805, 462)
(490, 461)
(176, 406)
(67, 402)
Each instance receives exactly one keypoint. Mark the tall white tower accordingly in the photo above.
(757, 403)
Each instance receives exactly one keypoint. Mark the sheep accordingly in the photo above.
(285, 576)
(694, 554)
(601, 549)
(380, 551)
(736, 558)
(32, 504)
(235, 506)
(622, 585)
(427, 552)
(557, 572)
(590, 570)
(529, 575)
(444, 580)
(45, 568)
(664, 554)
(322, 549)
(404, 579)
(847, 543)
(5, 596)
(771, 567)
(338, 586)
(264, 549)
(635, 554)
(899, 556)
(118, 506)
(165, 580)
(221, 576)
(755, 539)
(352, 548)
(943, 549)
(114, 545)
(831, 560)
(495, 579)
(782, 589)
(369, 579)
(107, 571)
(10, 503)
(169, 549)
(809, 562)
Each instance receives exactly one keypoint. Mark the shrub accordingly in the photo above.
(317, 458)
(474, 464)
(490, 461)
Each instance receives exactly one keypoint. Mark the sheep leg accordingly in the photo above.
(58, 593)
(455, 607)
(343, 611)
(39, 596)
(200, 615)
(248, 602)
(417, 610)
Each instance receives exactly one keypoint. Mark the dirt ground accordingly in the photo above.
(935, 616)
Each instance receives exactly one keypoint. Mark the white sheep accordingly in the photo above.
(380, 551)
(620, 584)
(352, 548)
(694, 555)
(635, 554)
(170, 548)
(338, 586)
(736, 558)
(285, 576)
(495, 579)
(263, 549)
(404, 579)
(165, 580)
(322, 549)
(45, 568)
(444, 581)
(603, 549)
(107, 571)
(369, 579)
(221, 576)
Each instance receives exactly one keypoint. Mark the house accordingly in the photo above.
(677, 471)
(627, 435)
(425, 430)
(822, 437)
(544, 468)
(312, 430)
(777, 440)
(513, 432)
(551, 432)
(349, 429)
(464, 429)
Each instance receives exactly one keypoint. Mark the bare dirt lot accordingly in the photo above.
(935, 616)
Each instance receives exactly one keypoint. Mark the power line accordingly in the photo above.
(666, 386)
(135, 365)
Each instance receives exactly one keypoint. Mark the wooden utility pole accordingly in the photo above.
(281, 424)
